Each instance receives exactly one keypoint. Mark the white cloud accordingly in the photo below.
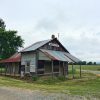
(77, 21)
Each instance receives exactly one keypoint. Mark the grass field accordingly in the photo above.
(87, 67)
(88, 85)
(2, 70)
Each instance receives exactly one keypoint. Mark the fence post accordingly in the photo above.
(72, 70)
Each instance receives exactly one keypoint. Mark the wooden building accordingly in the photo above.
(48, 57)
(11, 65)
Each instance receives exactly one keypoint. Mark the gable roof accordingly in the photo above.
(36, 45)
(39, 44)
(14, 58)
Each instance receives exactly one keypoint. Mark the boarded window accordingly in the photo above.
(27, 66)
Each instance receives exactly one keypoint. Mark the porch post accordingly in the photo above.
(14, 68)
(5, 69)
(10, 69)
(67, 70)
(52, 69)
(37, 58)
(80, 71)
(63, 69)
(59, 68)
(1, 69)
(72, 71)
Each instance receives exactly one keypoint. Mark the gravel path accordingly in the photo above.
(7, 93)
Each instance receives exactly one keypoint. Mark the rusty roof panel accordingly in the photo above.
(73, 58)
(57, 55)
(15, 58)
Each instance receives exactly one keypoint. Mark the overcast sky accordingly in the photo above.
(77, 21)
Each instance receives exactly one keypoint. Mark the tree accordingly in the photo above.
(84, 63)
(94, 63)
(9, 41)
(89, 63)
(2, 24)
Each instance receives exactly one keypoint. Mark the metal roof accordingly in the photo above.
(73, 58)
(59, 55)
(15, 58)
(36, 45)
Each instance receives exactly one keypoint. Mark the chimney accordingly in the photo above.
(53, 36)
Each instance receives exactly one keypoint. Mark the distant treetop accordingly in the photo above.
(2, 24)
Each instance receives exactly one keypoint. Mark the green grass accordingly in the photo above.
(2, 70)
(87, 67)
(88, 85)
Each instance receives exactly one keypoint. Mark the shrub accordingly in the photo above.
(27, 75)
(35, 78)
(62, 78)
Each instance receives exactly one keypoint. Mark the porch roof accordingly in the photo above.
(60, 56)
(15, 58)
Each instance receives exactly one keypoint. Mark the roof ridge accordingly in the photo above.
(34, 44)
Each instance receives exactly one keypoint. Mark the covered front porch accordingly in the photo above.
(54, 67)
(10, 69)
(55, 63)
(11, 66)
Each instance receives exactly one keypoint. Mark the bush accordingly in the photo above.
(35, 78)
(62, 78)
(27, 75)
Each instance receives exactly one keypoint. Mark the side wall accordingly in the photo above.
(12, 68)
(42, 56)
(29, 57)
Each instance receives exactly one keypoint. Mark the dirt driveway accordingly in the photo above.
(7, 93)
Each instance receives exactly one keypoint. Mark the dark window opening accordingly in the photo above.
(40, 64)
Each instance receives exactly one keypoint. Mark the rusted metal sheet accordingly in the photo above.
(15, 58)
(56, 55)
(59, 55)
(73, 58)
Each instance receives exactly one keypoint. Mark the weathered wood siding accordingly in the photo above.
(53, 45)
(31, 57)
(12, 68)
(42, 56)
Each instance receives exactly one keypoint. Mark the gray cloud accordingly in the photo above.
(84, 47)
(77, 21)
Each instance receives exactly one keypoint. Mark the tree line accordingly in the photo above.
(85, 63)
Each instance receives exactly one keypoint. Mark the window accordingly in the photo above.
(40, 64)
(27, 67)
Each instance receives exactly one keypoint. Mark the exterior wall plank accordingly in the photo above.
(29, 56)
(42, 56)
